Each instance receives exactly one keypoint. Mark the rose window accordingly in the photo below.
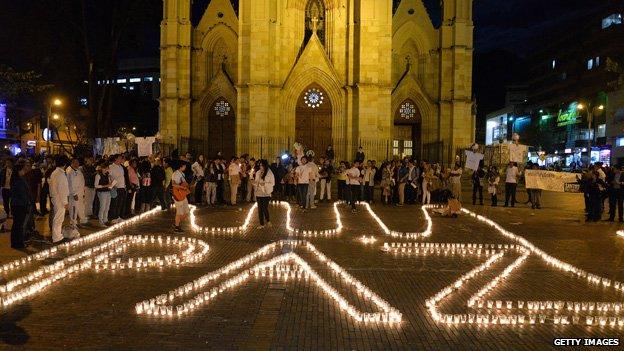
(407, 111)
(222, 108)
(313, 98)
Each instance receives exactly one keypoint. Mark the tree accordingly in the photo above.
(100, 44)
(14, 84)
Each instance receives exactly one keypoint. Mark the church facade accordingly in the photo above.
(346, 73)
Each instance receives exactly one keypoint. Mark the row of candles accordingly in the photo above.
(288, 265)
(552, 261)
(78, 242)
(311, 233)
(296, 232)
(446, 248)
(526, 249)
(99, 258)
(521, 319)
(574, 306)
(397, 234)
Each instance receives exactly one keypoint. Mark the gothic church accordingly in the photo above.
(320, 72)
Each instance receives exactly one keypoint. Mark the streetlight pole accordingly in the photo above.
(590, 119)
(48, 135)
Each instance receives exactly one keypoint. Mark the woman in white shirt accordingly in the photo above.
(264, 182)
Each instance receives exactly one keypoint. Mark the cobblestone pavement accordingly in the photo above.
(96, 311)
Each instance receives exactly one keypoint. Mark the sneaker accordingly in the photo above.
(177, 229)
(102, 225)
(261, 226)
(269, 224)
(313, 207)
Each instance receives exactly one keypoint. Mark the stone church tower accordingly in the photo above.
(320, 72)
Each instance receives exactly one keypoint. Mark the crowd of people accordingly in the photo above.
(601, 184)
(110, 189)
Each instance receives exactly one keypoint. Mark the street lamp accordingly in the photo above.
(58, 103)
(590, 118)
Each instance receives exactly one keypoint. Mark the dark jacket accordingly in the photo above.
(158, 175)
(20, 193)
(89, 176)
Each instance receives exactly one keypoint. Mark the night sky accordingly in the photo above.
(504, 31)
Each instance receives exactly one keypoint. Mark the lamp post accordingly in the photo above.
(56, 102)
(590, 118)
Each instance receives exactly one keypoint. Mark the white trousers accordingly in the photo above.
(325, 187)
(311, 194)
(88, 201)
(426, 198)
(77, 210)
(58, 216)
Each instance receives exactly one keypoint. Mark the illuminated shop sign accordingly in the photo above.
(568, 116)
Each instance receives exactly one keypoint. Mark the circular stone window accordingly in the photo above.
(410, 11)
(220, 14)
(407, 111)
(313, 98)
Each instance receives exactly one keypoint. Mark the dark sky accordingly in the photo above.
(504, 30)
(520, 25)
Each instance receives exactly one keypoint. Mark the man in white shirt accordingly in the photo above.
(354, 183)
(302, 175)
(59, 196)
(116, 172)
(234, 171)
(314, 178)
(76, 182)
(511, 183)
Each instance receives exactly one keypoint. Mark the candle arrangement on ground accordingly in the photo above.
(288, 266)
(103, 257)
(509, 312)
(76, 243)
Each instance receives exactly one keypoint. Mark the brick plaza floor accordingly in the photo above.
(95, 311)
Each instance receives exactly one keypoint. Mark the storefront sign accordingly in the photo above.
(552, 181)
(568, 116)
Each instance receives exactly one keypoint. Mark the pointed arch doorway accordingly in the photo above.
(313, 119)
(221, 129)
(407, 127)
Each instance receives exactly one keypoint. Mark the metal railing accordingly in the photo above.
(269, 147)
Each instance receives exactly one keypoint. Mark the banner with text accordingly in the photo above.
(552, 181)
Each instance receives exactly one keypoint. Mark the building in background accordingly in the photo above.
(320, 73)
(560, 106)
(136, 93)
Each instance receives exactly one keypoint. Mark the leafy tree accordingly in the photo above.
(15, 84)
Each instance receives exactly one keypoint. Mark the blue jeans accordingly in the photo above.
(105, 199)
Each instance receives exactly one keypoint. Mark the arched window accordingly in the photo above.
(315, 15)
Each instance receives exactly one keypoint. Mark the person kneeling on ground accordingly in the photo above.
(452, 209)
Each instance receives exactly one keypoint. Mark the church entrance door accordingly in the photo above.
(313, 124)
(221, 129)
(407, 125)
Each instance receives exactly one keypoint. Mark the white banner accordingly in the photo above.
(518, 153)
(473, 159)
(552, 181)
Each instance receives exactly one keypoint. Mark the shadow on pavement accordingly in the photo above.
(10, 332)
